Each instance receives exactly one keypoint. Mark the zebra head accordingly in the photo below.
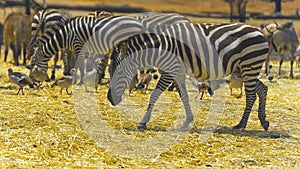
(117, 55)
(120, 81)
(38, 62)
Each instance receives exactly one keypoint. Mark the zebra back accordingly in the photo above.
(46, 19)
(87, 33)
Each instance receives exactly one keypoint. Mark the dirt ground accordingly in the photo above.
(46, 129)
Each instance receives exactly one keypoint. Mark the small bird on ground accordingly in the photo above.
(39, 75)
(133, 84)
(20, 79)
(91, 78)
(144, 81)
(64, 82)
(201, 86)
(235, 82)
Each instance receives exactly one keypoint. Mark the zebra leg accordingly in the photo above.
(262, 90)
(161, 86)
(181, 88)
(250, 99)
(54, 67)
(80, 62)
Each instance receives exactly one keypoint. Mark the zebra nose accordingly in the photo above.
(113, 98)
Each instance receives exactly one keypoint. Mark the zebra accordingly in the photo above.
(205, 51)
(85, 33)
(44, 20)
(283, 39)
(149, 20)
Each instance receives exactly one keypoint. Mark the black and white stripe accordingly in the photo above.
(150, 20)
(43, 21)
(206, 51)
(86, 34)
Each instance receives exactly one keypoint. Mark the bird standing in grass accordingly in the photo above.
(39, 75)
(64, 82)
(235, 82)
(133, 84)
(201, 86)
(20, 79)
(91, 78)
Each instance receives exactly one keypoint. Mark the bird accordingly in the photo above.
(64, 82)
(39, 75)
(235, 81)
(144, 80)
(201, 86)
(133, 84)
(21, 79)
(91, 78)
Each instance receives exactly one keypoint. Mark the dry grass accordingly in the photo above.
(44, 129)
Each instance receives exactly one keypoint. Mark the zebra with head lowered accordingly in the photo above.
(205, 51)
(85, 34)
(45, 20)
(282, 39)
(148, 20)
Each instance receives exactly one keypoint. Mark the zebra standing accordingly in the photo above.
(206, 51)
(43, 21)
(150, 20)
(85, 34)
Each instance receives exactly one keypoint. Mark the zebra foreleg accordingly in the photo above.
(80, 65)
(161, 86)
(153, 98)
(262, 90)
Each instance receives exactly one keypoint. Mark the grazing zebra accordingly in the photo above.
(283, 39)
(149, 20)
(205, 51)
(85, 34)
(43, 21)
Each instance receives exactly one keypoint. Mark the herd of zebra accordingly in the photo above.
(168, 42)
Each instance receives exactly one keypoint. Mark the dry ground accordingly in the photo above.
(44, 129)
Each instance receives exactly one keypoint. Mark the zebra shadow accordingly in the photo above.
(248, 133)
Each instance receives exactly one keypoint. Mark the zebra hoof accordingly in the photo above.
(239, 126)
(266, 125)
(142, 127)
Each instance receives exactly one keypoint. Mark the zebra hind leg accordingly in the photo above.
(262, 90)
(250, 99)
(181, 88)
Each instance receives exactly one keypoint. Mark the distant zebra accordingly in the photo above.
(45, 20)
(206, 51)
(85, 34)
